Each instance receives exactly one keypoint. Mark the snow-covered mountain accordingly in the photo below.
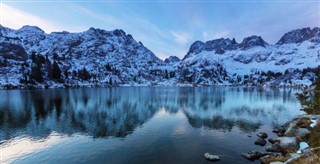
(253, 61)
(109, 56)
(31, 58)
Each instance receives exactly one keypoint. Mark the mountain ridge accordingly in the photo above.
(116, 58)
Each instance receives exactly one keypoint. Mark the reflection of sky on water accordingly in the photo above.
(163, 115)
(21, 146)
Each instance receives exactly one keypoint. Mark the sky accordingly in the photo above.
(166, 27)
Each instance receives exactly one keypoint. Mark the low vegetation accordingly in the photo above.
(310, 101)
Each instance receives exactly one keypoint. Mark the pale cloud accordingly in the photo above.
(160, 54)
(165, 53)
(101, 17)
(214, 35)
(181, 38)
(147, 28)
(14, 18)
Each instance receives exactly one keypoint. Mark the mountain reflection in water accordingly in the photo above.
(101, 112)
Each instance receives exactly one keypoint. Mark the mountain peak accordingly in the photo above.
(299, 35)
(172, 59)
(195, 48)
(252, 41)
(119, 32)
(31, 28)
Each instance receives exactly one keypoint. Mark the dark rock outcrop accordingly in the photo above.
(252, 41)
(300, 35)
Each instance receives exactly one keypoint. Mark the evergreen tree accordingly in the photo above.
(108, 67)
(33, 57)
(48, 67)
(166, 74)
(74, 74)
(23, 72)
(110, 81)
(40, 59)
(56, 72)
(66, 73)
(84, 74)
(55, 56)
(36, 73)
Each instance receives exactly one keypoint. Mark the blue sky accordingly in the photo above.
(167, 27)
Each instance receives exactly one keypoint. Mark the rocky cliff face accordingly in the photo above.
(300, 35)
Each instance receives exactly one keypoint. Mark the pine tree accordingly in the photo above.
(36, 73)
(166, 74)
(48, 67)
(108, 67)
(110, 81)
(56, 72)
(84, 74)
(23, 70)
(66, 74)
(55, 56)
(33, 57)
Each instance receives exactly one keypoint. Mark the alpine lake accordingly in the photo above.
(136, 125)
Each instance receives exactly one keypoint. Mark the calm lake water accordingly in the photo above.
(138, 124)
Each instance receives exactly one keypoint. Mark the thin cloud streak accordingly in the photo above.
(181, 37)
(14, 18)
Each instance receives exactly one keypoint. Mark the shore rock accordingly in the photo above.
(260, 142)
(287, 142)
(253, 155)
(262, 135)
(211, 157)
(276, 130)
(268, 159)
(271, 140)
(274, 148)
(297, 132)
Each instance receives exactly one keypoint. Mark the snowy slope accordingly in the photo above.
(128, 60)
(205, 63)
(115, 58)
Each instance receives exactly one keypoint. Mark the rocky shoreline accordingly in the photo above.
(298, 141)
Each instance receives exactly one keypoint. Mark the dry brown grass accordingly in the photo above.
(310, 158)
(313, 138)
(271, 158)
(304, 122)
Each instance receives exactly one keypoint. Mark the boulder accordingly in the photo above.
(262, 135)
(260, 142)
(211, 157)
(274, 148)
(276, 130)
(253, 155)
(297, 132)
(287, 142)
(268, 159)
(271, 140)
(302, 132)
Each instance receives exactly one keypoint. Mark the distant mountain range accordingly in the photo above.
(30, 58)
